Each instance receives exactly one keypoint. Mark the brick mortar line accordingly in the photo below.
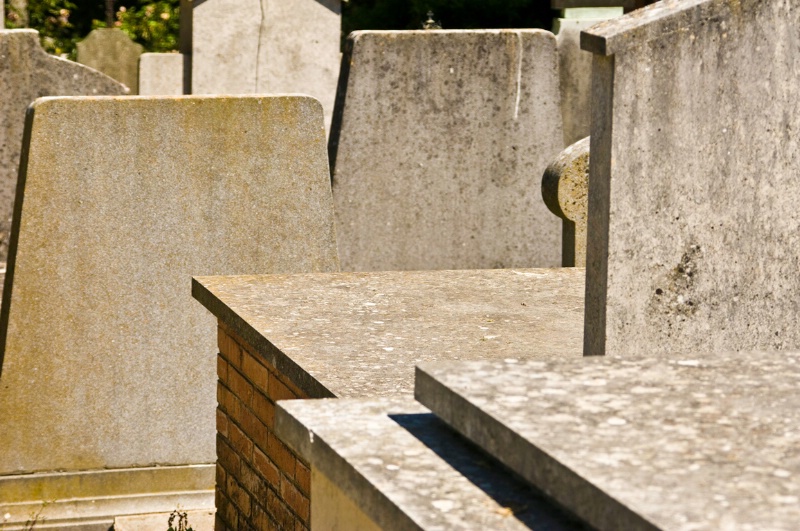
(276, 489)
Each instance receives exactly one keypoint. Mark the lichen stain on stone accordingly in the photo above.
(675, 295)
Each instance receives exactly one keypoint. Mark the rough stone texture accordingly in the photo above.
(700, 443)
(85, 499)
(407, 470)
(27, 73)
(113, 53)
(125, 199)
(161, 74)
(439, 143)
(565, 190)
(575, 71)
(693, 230)
(360, 335)
(260, 46)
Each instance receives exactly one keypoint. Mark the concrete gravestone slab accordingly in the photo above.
(112, 52)
(575, 67)
(27, 73)
(706, 442)
(108, 361)
(693, 229)
(256, 46)
(439, 143)
(406, 469)
(161, 74)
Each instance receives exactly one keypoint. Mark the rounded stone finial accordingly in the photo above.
(431, 24)
(565, 190)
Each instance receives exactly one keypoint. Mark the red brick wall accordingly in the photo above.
(261, 483)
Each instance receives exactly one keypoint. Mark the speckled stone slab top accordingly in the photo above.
(407, 470)
(360, 334)
(696, 443)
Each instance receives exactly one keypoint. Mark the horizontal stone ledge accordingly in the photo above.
(648, 24)
(699, 441)
(404, 468)
(358, 335)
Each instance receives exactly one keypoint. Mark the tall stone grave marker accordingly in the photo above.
(255, 46)
(439, 142)
(575, 65)
(112, 52)
(27, 73)
(693, 235)
(108, 363)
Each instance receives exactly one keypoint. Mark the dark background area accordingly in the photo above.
(154, 24)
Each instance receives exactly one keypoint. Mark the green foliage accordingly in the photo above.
(63, 23)
(55, 21)
(154, 25)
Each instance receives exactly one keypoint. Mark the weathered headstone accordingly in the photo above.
(27, 73)
(575, 66)
(112, 52)
(693, 222)
(254, 46)
(108, 363)
(438, 146)
(161, 74)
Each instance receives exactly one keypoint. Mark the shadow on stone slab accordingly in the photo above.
(525, 503)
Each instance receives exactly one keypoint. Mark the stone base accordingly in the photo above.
(90, 500)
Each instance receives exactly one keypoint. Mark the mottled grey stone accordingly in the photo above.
(113, 53)
(575, 72)
(693, 221)
(27, 73)
(121, 200)
(260, 46)
(358, 335)
(704, 442)
(565, 190)
(405, 469)
(439, 143)
(161, 74)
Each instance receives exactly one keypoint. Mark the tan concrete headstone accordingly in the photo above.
(439, 143)
(161, 74)
(27, 73)
(112, 52)
(108, 362)
(255, 46)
